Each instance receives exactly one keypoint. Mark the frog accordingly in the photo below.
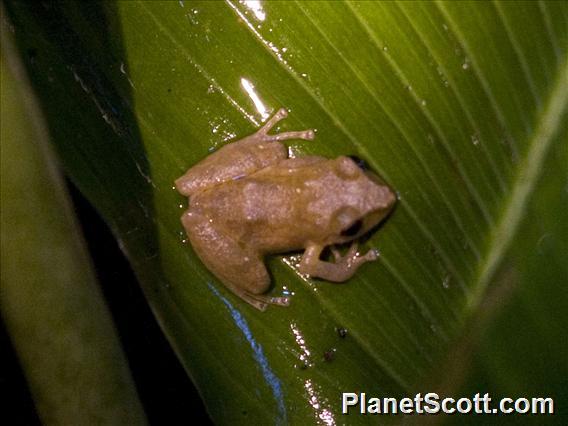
(250, 199)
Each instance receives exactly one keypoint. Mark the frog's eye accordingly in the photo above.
(361, 163)
(353, 229)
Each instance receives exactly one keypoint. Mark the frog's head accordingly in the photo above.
(365, 200)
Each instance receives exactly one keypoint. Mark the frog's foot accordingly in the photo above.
(342, 269)
(280, 115)
(261, 302)
(352, 257)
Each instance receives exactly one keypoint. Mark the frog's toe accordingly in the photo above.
(371, 255)
(261, 302)
(282, 301)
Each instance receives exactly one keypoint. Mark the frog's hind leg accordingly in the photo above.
(241, 269)
(280, 115)
(260, 301)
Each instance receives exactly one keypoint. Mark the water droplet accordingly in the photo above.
(423, 102)
(342, 332)
(475, 140)
(446, 281)
(182, 237)
(287, 292)
(385, 48)
(465, 65)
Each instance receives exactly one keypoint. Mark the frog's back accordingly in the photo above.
(268, 194)
(266, 209)
(265, 199)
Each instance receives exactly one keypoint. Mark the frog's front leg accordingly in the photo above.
(241, 269)
(263, 135)
(240, 158)
(341, 270)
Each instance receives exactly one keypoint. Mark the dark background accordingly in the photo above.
(165, 390)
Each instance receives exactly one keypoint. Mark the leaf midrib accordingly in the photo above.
(529, 171)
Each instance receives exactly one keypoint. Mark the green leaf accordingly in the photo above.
(49, 298)
(520, 351)
(455, 104)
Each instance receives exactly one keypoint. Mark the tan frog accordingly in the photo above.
(249, 199)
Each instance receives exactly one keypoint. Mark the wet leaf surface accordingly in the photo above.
(456, 105)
